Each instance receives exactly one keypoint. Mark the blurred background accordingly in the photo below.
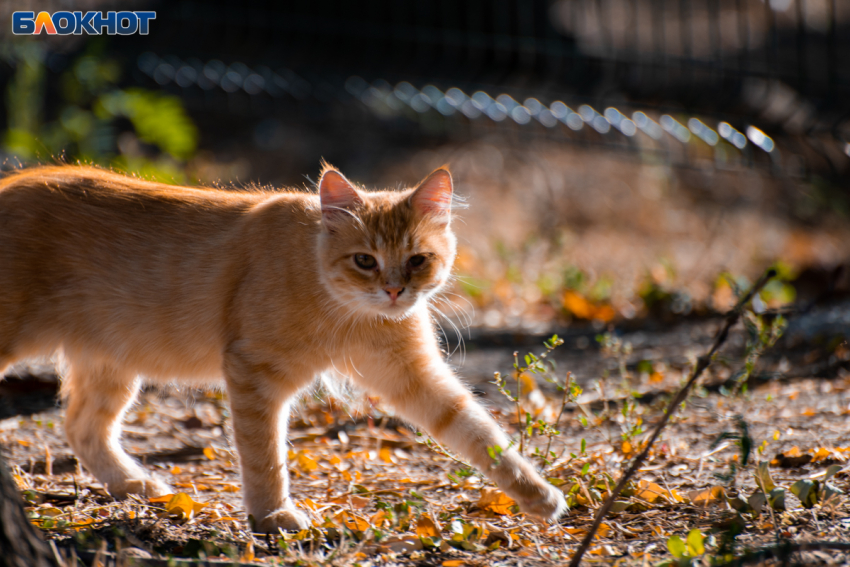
(623, 160)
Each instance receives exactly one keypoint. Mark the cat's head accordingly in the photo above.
(384, 253)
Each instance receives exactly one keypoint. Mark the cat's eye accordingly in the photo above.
(365, 261)
(416, 261)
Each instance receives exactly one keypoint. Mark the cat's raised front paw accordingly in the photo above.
(550, 506)
(288, 518)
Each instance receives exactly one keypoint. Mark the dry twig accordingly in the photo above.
(702, 363)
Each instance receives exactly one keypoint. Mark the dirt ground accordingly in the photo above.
(382, 495)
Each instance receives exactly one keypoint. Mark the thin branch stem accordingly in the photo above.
(560, 413)
(702, 363)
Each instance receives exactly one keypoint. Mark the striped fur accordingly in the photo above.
(132, 280)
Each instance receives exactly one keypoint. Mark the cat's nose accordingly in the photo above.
(393, 292)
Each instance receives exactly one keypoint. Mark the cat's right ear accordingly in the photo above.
(338, 196)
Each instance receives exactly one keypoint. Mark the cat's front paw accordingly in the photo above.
(548, 506)
(288, 518)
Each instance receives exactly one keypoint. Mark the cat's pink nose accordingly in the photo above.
(393, 292)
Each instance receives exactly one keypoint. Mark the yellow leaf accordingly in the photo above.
(358, 502)
(249, 552)
(426, 527)
(708, 496)
(527, 383)
(305, 462)
(578, 305)
(352, 521)
(378, 519)
(604, 313)
(496, 501)
(650, 492)
(386, 455)
(160, 499)
(182, 506)
(209, 453)
(83, 523)
(309, 504)
(821, 454)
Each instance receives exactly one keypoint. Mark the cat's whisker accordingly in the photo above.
(461, 344)
(467, 316)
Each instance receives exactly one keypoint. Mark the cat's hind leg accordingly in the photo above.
(97, 397)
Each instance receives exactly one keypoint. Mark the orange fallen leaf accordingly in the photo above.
(650, 491)
(353, 521)
(379, 518)
(821, 454)
(209, 453)
(305, 462)
(180, 505)
(426, 527)
(496, 501)
(386, 455)
(248, 555)
(577, 305)
(708, 496)
(356, 502)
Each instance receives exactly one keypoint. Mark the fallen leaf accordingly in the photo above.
(248, 554)
(650, 492)
(209, 453)
(353, 521)
(386, 455)
(182, 506)
(708, 496)
(496, 501)
(426, 527)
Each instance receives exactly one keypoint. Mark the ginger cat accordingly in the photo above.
(135, 280)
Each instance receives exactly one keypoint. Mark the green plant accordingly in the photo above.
(685, 552)
(543, 366)
(85, 124)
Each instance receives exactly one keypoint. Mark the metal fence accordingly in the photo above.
(754, 82)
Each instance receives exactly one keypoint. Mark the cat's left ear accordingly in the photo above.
(433, 196)
(337, 194)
